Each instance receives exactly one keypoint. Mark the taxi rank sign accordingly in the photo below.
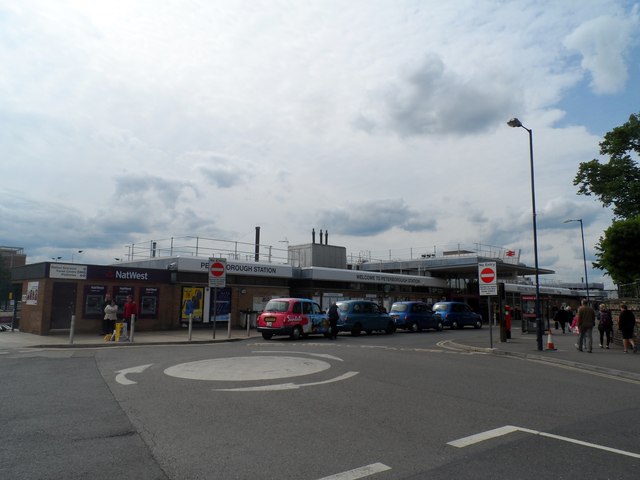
(217, 272)
(487, 278)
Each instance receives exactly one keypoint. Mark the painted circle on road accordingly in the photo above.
(247, 368)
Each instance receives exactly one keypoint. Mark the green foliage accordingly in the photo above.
(618, 251)
(617, 182)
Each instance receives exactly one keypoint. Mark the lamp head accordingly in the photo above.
(514, 122)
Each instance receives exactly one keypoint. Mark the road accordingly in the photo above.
(403, 406)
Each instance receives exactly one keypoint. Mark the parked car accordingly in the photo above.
(295, 317)
(357, 316)
(457, 315)
(414, 316)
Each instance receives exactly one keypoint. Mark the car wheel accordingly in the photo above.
(439, 326)
(267, 336)
(368, 332)
(415, 327)
(455, 325)
(391, 328)
(478, 324)
(355, 331)
(296, 334)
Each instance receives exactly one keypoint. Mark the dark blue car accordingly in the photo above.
(357, 316)
(414, 316)
(457, 315)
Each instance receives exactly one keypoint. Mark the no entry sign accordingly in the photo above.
(217, 272)
(487, 278)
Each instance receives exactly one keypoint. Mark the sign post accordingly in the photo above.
(488, 286)
(217, 279)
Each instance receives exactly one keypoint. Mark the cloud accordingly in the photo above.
(374, 217)
(430, 100)
(603, 42)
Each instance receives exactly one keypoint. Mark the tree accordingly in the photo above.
(616, 183)
(618, 251)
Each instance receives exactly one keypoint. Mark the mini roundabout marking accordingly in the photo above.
(258, 368)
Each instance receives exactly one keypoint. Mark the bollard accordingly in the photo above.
(132, 328)
(72, 328)
(190, 325)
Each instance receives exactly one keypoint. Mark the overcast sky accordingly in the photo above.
(381, 121)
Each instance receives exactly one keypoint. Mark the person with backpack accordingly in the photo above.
(605, 326)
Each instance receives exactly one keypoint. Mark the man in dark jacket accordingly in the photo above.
(333, 320)
(586, 320)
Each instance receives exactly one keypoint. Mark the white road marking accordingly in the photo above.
(321, 355)
(247, 368)
(286, 386)
(480, 437)
(123, 380)
(361, 472)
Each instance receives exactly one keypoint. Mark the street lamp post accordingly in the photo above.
(74, 253)
(584, 254)
(514, 122)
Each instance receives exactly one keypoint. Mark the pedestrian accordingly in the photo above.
(565, 317)
(111, 316)
(333, 320)
(586, 320)
(605, 325)
(130, 309)
(626, 325)
(106, 325)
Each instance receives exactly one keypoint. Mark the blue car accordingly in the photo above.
(457, 315)
(357, 316)
(415, 316)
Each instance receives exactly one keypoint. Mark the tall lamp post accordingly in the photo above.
(584, 254)
(515, 123)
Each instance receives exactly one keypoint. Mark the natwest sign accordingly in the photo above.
(122, 274)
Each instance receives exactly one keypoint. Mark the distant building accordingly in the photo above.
(13, 256)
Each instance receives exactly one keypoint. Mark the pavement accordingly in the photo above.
(523, 345)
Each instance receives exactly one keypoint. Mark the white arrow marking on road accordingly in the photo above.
(123, 380)
(361, 472)
(286, 386)
(497, 432)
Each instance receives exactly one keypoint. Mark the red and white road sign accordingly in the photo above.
(487, 278)
(487, 275)
(217, 272)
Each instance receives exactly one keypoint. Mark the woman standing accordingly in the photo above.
(111, 315)
(626, 325)
(605, 325)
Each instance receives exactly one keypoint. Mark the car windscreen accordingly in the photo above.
(440, 307)
(399, 308)
(277, 306)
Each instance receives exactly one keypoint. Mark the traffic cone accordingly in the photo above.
(550, 345)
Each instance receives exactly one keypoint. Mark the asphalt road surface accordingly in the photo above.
(401, 406)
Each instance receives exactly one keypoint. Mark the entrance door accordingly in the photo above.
(62, 305)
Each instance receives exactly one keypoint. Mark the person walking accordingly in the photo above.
(586, 320)
(605, 325)
(626, 325)
(110, 316)
(333, 320)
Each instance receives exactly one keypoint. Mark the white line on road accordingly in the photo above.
(122, 379)
(497, 432)
(286, 386)
(321, 355)
(359, 472)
